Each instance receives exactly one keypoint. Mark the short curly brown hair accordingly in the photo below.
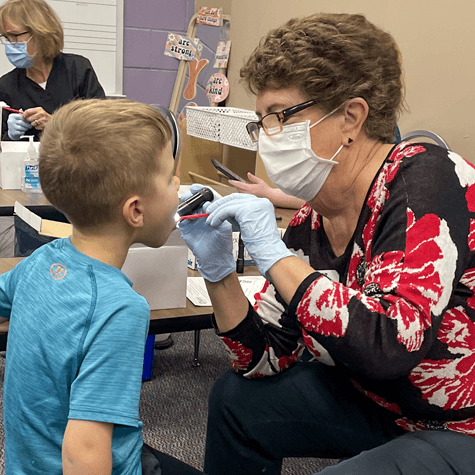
(332, 58)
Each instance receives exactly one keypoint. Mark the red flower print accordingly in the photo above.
(471, 235)
(316, 221)
(390, 406)
(317, 350)
(258, 296)
(467, 426)
(266, 304)
(385, 270)
(301, 215)
(368, 233)
(372, 304)
(240, 355)
(287, 361)
(311, 344)
(356, 256)
(407, 151)
(420, 280)
(376, 200)
(449, 383)
(468, 279)
(258, 375)
(379, 193)
(464, 170)
(410, 426)
(323, 308)
(470, 197)
(430, 260)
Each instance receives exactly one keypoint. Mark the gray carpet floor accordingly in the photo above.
(173, 404)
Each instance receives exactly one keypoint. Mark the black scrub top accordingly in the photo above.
(72, 76)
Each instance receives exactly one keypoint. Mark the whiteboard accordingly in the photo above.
(94, 29)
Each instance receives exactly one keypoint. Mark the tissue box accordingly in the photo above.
(11, 159)
(157, 274)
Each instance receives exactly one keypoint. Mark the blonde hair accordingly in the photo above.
(332, 58)
(41, 22)
(94, 152)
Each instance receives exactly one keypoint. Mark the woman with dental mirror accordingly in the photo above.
(44, 77)
(374, 276)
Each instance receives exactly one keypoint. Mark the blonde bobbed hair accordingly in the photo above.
(40, 20)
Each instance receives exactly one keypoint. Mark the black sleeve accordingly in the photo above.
(90, 86)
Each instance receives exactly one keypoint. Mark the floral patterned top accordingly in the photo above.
(396, 311)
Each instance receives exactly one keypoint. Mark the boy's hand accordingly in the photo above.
(87, 448)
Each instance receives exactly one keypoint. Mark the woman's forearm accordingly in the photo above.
(287, 275)
(230, 305)
(280, 200)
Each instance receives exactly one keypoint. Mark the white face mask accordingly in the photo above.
(291, 163)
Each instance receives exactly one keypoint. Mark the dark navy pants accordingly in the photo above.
(308, 411)
(155, 462)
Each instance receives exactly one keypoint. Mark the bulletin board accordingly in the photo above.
(195, 163)
(94, 30)
(183, 66)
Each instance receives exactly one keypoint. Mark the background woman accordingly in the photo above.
(381, 292)
(44, 78)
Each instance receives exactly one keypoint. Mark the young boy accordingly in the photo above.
(77, 329)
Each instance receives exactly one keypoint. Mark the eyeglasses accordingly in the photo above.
(12, 37)
(273, 123)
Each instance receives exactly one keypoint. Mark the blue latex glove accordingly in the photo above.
(256, 220)
(17, 126)
(212, 246)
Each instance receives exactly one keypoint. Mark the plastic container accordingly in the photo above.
(203, 122)
(221, 124)
(148, 358)
(30, 177)
(233, 130)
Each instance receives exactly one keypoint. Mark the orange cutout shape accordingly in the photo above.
(195, 68)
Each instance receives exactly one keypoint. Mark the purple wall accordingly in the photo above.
(149, 75)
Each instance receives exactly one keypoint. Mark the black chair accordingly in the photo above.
(427, 134)
(171, 119)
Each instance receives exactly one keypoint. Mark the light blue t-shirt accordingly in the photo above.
(75, 351)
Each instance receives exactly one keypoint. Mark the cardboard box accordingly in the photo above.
(157, 274)
(11, 160)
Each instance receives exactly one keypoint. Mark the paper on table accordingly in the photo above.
(198, 295)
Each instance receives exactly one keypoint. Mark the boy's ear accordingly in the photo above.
(355, 113)
(133, 211)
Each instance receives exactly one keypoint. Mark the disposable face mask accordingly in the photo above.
(291, 163)
(17, 55)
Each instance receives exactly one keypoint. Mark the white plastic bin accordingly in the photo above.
(221, 124)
